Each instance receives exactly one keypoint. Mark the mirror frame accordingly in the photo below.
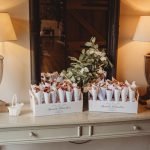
(35, 51)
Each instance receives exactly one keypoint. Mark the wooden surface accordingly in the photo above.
(27, 119)
(3, 106)
(71, 127)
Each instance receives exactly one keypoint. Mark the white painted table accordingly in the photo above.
(71, 127)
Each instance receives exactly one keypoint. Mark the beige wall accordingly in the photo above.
(131, 53)
(16, 77)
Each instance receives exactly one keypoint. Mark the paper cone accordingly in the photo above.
(53, 96)
(38, 97)
(69, 96)
(94, 92)
(124, 94)
(131, 95)
(61, 95)
(117, 94)
(47, 97)
(102, 93)
(47, 84)
(77, 93)
(109, 94)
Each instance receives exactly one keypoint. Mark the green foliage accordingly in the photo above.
(91, 63)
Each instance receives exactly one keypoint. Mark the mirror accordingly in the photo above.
(59, 28)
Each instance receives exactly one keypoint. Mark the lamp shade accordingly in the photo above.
(7, 32)
(142, 32)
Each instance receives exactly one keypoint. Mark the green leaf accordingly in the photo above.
(89, 44)
(81, 57)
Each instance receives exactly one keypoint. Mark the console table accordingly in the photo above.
(71, 127)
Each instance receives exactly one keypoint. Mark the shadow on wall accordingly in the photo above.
(135, 7)
(130, 12)
(127, 29)
(131, 53)
(18, 8)
(19, 12)
(22, 32)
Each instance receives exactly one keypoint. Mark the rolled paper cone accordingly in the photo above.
(77, 93)
(38, 97)
(102, 93)
(124, 94)
(53, 96)
(109, 94)
(47, 84)
(131, 95)
(69, 96)
(42, 86)
(101, 82)
(61, 95)
(117, 94)
(54, 87)
(111, 86)
(100, 96)
(32, 88)
(47, 97)
(59, 79)
(94, 94)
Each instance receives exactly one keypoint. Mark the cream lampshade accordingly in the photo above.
(7, 33)
(142, 34)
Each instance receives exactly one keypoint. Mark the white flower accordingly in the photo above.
(96, 46)
(103, 58)
(85, 69)
(91, 51)
(89, 44)
(98, 53)
(93, 39)
(103, 54)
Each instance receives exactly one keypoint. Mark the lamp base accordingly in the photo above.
(145, 97)
(3, 106)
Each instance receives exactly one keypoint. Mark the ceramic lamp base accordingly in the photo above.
(3, 106)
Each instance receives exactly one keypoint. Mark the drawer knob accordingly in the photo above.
(136, 128)
(90, 130)
(32, 134)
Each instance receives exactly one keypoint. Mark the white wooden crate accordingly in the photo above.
(106, 106)
(114, 106)
(55, 108)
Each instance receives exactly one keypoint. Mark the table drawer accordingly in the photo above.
(42, 133)
(121, 128)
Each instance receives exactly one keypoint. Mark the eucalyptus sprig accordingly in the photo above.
(90, 64)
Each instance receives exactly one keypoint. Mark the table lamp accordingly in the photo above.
(143, 34)
(7, 33)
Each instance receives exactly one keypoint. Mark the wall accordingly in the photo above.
(130, 66)
(16, 75)
(131, 53)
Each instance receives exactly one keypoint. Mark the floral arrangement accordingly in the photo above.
(113, 90)
(91, 64)
(54, 89)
